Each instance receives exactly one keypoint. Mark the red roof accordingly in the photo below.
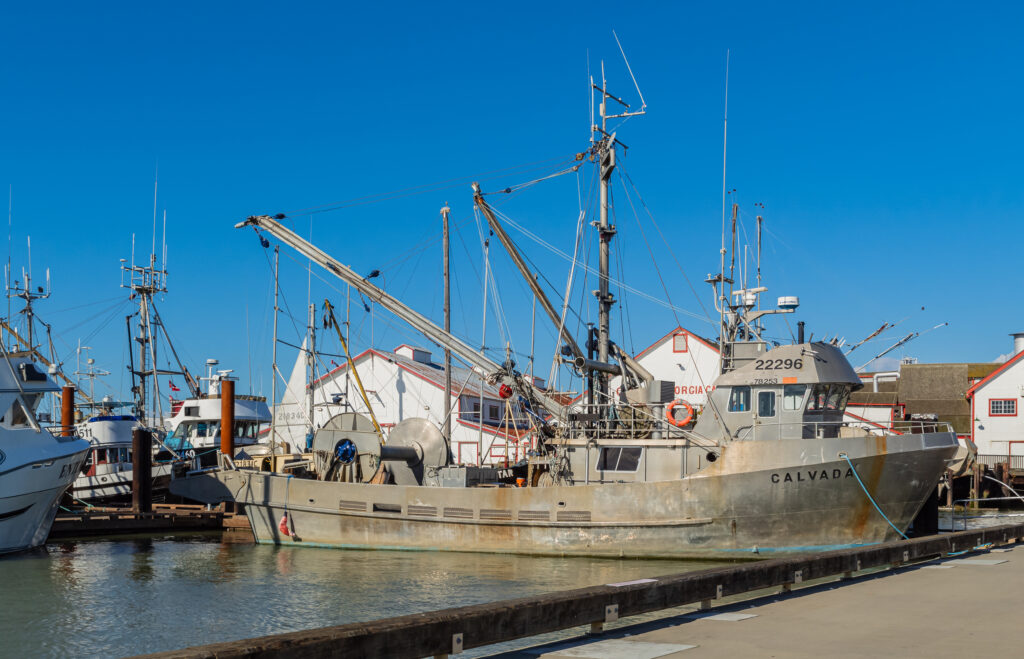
(991, 376)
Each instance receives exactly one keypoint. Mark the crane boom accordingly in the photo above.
(418, 321)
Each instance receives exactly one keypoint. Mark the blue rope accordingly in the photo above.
(870, 498)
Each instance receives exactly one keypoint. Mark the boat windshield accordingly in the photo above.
(828, 397)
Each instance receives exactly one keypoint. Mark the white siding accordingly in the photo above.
(693, 371)
(992, 433)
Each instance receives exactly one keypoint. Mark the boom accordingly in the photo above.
(496, 372)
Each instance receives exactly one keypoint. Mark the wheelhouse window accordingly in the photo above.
(1002, 407)
(739, 399)
(493, 413)
(793, 396)
(765, 403)
(828, 397)
(619, 458)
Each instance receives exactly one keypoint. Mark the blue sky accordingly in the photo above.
(883, 139)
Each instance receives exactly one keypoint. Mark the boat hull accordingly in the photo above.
(29, 497)
(760, 498)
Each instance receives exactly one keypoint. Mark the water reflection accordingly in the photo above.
(125, 597)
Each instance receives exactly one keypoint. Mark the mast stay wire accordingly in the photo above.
(635, 291)
(693, 360)
(625, 175)
(427, 187)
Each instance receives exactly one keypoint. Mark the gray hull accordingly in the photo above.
(760, 498)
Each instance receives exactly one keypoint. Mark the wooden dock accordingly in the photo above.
(450, 631)
(92, 522)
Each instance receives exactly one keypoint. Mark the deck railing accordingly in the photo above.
(832, 429)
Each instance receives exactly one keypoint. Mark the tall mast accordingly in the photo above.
(606, 158)
(273, 375)
(447, 430)
(23, 289)
(311, 362)
(144, 282)
(604, 149)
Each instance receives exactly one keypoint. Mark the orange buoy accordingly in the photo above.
(670, 417)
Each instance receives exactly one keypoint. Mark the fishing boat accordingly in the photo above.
(766, 467)
(36, 467)
(194, 427)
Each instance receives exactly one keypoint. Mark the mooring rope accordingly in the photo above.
(871, 498)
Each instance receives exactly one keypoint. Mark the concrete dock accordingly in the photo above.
(952, 607)
(945, 595)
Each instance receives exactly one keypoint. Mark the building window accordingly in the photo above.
(1002, 407)
(739, 399)
(680, 342)
(473, 413)
(619, 459)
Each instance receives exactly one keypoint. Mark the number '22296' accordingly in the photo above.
(776, 364)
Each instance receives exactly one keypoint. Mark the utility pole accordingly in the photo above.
(447, 430)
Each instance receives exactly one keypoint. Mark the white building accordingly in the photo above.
(408, 383)
(995, 409)
(684, 358)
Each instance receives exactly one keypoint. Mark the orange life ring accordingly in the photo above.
(670, 417)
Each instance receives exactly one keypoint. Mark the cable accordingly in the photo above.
(870, 498)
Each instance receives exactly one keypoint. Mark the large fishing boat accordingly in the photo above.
(768, 466)
(36, 467)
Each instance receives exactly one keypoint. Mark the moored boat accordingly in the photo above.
(36, 467)
(768, 466)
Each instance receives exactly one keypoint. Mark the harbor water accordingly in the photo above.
(122, 597)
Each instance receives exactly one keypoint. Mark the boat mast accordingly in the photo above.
(23, 289)
(447, 429)
(273, 375)
(144, 282)
(604, 150)
(311, 363)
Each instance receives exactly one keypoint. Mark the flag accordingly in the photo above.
(171, 384)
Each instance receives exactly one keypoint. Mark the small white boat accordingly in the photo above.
(36, 467)
(107, 474)
(194, 428)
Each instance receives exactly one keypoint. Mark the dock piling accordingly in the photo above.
(67, 411)
(142, 470)
(227, 417)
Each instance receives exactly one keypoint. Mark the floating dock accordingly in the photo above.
(95, 521)
(846, 602)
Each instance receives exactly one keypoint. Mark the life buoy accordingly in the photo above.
(670, 417)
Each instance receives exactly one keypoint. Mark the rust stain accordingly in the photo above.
(871, 480)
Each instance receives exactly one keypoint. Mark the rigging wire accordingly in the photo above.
(635, 291)
(426, 187)
(650, 215)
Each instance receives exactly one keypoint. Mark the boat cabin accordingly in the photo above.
(789, 392)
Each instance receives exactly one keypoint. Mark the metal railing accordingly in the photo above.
(991, 460)
(834, 429)
(953, 518)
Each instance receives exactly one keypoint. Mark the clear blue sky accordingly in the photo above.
(883, 139)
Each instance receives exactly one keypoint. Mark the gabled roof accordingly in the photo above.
(678, 329)
(994, 374)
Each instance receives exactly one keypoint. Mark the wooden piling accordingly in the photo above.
(67, 411)
(227, 417)
(142, 470)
